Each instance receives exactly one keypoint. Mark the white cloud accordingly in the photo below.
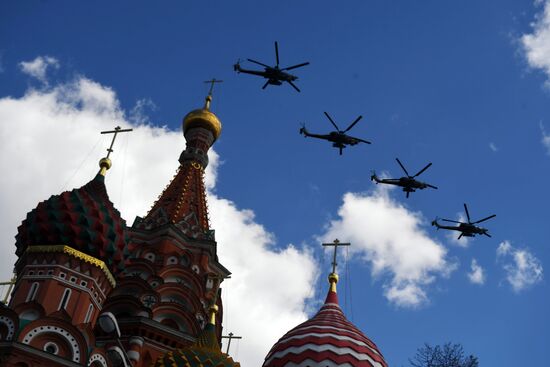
(476, 274)
(536, 45)
(38, 67)
(493, 147)
(504, 248)
(391, 239)
(545, 138)
(522, 268)
(47, 135)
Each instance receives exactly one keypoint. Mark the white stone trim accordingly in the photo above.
(55, 330)
(96, 357)
(10, 324)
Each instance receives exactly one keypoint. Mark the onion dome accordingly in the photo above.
(204, 118)
(84, 219)
(327, 339)
(205, 352)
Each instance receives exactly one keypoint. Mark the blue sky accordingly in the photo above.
(436, 81)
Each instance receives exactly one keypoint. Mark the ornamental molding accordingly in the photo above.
(76, 254)
(55, 330)
(96, 357)
(10, 325)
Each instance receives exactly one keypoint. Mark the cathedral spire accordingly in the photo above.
(183, 202)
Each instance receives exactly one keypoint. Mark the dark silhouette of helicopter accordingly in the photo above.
(466, 229)
(338, 138)
(408, 183)
(273, 74)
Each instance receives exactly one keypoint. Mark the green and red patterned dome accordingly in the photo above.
(205, 352)
(84, 219)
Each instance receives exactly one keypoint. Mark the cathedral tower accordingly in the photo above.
(70, 249)
(173, 274)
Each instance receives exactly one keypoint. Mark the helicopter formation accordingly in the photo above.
(340, 140)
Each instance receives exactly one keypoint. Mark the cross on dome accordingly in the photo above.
(209, 96)
(105, 163)
(335, 244)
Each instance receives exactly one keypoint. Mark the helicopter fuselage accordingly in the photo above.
(275, 75)
(467, 230)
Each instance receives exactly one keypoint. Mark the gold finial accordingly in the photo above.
(105, 163)
(213, 310)
(333, 279)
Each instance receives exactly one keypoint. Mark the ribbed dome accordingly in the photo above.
(326, 340)
(84, 219)
(204, 353)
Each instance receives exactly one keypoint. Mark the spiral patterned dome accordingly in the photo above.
(84, 219)
(328, 340)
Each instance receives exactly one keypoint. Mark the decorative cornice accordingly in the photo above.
(77, 254)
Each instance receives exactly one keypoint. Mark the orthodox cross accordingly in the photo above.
(335, 244)
(117, 130)
(230, 336)
(212, 82)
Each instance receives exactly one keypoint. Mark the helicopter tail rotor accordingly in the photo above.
(237, 66)
(303, 130)
(373, 177)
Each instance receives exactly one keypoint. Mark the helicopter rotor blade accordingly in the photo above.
(265, 85)
(353, 123)
(259, 63)
(460, 236)
(277, 53)
(293, 85)
(402, 167)
(332, 121)
(296, 66)
(422, 170)
(432, 186)
(450, 220)
(484, 219)
(487, 234)
(467, 213)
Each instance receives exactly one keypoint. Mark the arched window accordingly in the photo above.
(31, 296)
(65, 299)
(89, 313)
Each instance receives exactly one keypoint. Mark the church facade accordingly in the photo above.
(92, 291)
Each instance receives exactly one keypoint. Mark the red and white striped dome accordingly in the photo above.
(326, 340)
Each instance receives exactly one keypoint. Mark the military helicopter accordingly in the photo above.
(466, 229)
(338, 138)
(408, 183)
(273, 74)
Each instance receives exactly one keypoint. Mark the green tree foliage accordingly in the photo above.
(448, 355)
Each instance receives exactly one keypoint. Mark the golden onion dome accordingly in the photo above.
(204, 118)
